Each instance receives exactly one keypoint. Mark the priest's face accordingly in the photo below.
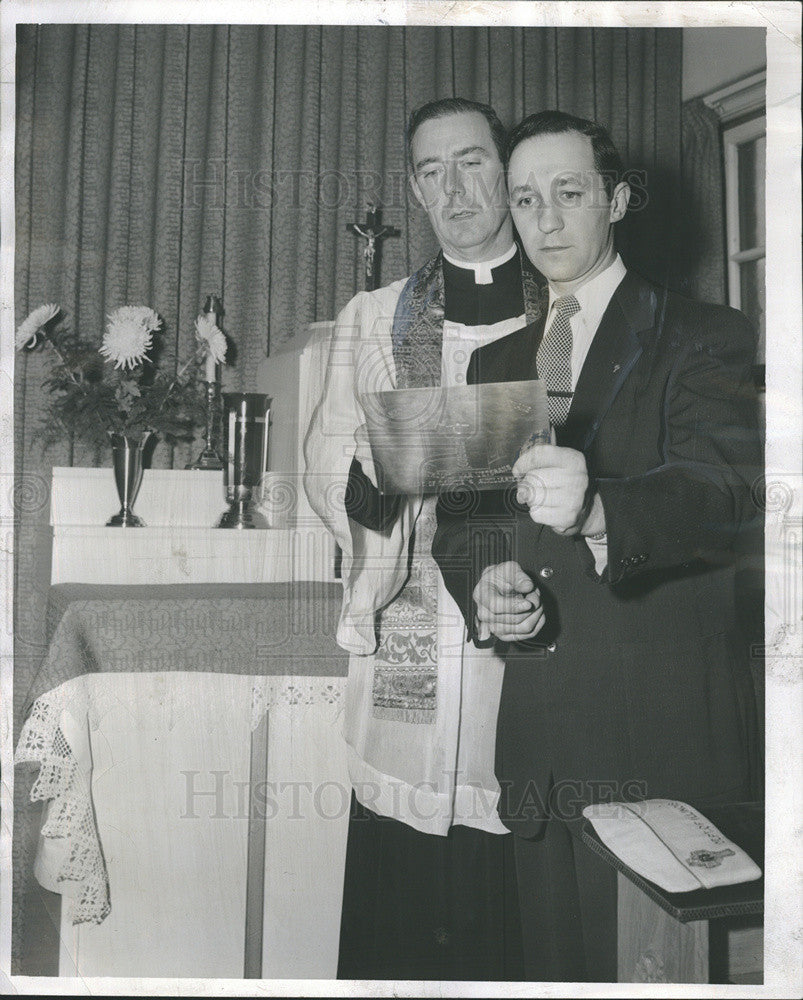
(460, 181)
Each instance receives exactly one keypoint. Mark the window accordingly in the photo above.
(745, 148)
(742, 110)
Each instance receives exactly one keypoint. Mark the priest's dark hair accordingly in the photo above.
(606, 156)
(454, 106)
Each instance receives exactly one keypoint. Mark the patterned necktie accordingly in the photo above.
(555, 359)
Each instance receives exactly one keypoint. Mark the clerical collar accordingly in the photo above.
(483, 269)
(480, 304)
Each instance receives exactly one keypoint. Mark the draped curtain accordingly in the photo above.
(703, 191)
(156, 164)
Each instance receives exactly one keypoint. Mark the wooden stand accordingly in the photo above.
(710, 935)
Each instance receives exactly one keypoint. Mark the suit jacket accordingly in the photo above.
(638, 686)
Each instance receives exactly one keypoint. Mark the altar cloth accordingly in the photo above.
(281, 635)
(274, 628)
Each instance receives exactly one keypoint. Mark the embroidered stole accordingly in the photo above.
(405, 664)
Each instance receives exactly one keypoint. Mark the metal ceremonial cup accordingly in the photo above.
(246, 421)
(127, 462)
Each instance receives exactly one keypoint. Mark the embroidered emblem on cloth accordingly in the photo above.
(709, 859)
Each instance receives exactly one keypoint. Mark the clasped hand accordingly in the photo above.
(553, 483)
(508, 603)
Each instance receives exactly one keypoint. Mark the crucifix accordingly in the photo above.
(372, 231)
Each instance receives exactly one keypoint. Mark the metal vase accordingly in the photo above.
(127, 463)
(246, 422)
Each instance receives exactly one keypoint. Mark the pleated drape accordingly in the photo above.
(703, 192)
(155, 164)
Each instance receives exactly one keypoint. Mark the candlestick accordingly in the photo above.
(209, 457)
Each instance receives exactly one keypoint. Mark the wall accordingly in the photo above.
(714, 57)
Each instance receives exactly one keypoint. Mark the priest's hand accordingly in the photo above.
(553, 483)
(507, 604)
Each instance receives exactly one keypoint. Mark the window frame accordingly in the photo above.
(733, 137)
(742, 111)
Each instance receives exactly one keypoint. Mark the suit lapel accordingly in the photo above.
(625, 326)
(512, 358)
(614, 350)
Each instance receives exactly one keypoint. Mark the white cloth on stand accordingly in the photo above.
(671, 844)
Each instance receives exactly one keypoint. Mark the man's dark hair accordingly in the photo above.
(606, 156)
(455, 106)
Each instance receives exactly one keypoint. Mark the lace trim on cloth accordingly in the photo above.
(66, 785)
(270, 692)
(70, 814)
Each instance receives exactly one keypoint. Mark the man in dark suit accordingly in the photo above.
(626, 677)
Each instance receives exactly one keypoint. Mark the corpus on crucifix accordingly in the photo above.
(373, 232)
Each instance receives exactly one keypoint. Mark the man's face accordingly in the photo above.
(560, 208)
(459, 179)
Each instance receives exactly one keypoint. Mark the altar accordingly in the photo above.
(184, 727)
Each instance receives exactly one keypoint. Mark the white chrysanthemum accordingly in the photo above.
(28, 330)
(210, 335)
(128, 335)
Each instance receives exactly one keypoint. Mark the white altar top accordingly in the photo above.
(179, 543)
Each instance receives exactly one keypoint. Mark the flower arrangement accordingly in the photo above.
(118, 387)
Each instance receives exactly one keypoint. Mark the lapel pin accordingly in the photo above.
(616, 368)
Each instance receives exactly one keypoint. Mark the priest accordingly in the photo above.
(429, 887)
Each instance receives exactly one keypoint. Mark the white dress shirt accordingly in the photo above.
(593, 298)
